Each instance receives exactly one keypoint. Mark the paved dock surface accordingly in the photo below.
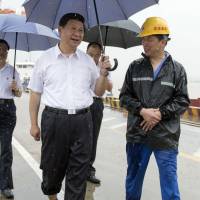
(110, 162)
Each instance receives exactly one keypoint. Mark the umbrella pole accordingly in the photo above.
(15, 55)
(101, 37)
(106, 36)
(100, 33)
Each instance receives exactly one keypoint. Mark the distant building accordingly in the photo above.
(18, 11)
(25, 70)
(6, 11)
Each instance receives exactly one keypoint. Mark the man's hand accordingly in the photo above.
(35, 132)
(15, 90)
(104, 64)
(151, 118)
(13, 86)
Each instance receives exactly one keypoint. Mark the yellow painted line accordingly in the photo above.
(190, 157)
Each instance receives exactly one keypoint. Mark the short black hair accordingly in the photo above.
(66, 17)
(162, 37)
(2, 41)
(93, 44)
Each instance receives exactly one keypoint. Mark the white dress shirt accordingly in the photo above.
(64, 81)
(108, 77)
(6, 78)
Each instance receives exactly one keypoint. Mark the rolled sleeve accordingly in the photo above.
(36, 81)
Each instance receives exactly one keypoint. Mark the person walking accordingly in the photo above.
(9, 89)
(155, 94)
(94, 49)
(62, 79)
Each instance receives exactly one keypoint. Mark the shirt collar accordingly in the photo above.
(59, 53)
(4, 67)
(166, 54)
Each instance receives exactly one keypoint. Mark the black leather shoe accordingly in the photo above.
(8, 194)
(93, 179)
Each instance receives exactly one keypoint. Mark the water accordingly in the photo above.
(194, 90)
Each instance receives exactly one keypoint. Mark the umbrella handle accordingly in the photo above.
(115, 65)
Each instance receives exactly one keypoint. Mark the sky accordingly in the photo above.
(182, 17)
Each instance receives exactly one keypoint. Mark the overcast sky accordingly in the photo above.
(183, 19)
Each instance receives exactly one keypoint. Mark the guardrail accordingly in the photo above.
(191, 115)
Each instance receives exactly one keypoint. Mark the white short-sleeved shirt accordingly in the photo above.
(6, 78)
(109, 78)
(64, 81)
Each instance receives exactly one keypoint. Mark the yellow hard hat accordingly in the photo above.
(154, 26)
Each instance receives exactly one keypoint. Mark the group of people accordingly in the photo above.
(71, 83)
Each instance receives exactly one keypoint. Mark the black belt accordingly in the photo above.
(4, 101)
(68, 112)
(98, 98)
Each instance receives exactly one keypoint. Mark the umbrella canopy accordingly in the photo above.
(30, 36)
(49, 12)
(28, 41)
(95, 12)
(122, 33)
(25, 36)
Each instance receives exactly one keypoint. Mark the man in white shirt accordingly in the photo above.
(94, 49)
(8, 89)
(62, 79)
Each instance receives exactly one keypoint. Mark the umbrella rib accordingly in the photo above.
(53, 23)
(120, 6)
(87, 11)
(32, 10)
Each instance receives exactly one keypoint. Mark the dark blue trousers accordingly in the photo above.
(7, 125)
(138, 156)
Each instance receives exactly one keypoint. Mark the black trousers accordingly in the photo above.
(97, 115)
(66, 150)
(7, 125)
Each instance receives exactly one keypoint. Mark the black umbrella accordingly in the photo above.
(122, 33)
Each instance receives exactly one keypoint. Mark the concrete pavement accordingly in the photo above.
(110, 162)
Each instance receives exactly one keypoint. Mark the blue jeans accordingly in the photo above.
(138, 156)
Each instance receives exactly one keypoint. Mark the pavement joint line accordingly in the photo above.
(190, 157)
(31, 162)
(108, 119)
(118, 125)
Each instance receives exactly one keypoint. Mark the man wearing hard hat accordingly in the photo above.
(155, 94)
